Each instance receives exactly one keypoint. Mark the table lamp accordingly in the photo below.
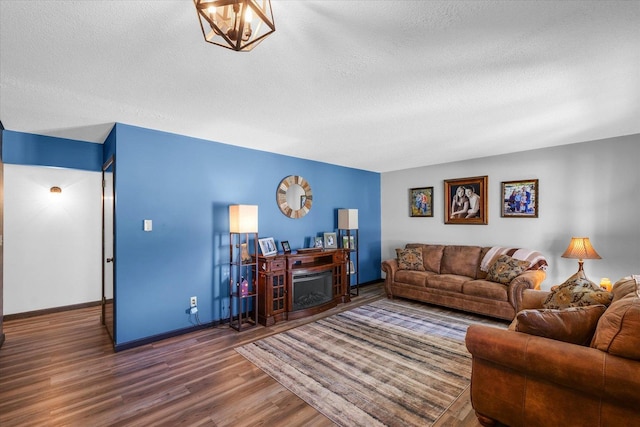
(580, 248)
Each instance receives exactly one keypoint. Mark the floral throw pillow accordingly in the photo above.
(505, 269)
(577, 292)
(410, 259)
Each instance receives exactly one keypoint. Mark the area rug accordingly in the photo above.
(387, 363)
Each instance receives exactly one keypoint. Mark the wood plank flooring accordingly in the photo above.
(59, 369)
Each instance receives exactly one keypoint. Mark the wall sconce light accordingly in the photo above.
(580, 248)
(55, 190)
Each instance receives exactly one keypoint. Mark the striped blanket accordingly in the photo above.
(536, 260)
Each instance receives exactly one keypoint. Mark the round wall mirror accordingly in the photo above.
(294, 196)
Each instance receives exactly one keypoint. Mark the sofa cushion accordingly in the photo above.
(485, 289)
(446, 282)
(575, 325)
(626, 286)
(617, 330)
(577, 292)
(505, 269)
(460, 260)
(432, 257)
(480, 273)
(412, 277)
(410, 259)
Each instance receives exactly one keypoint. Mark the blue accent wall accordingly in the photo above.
(39, 150)
(185, 186)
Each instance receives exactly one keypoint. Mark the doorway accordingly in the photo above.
(108, 240)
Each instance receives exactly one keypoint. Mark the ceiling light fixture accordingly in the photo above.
(239, 25)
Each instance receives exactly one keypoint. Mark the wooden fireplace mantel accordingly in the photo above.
(275, 282)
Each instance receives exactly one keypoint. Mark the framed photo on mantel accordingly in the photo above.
(268, 246)
(330, 240)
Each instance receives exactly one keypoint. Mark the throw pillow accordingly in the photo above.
(505, 269)
(574, 325)
(617, 331)
(410, 259)
(577, 292)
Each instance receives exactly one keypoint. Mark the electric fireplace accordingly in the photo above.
(312, 289)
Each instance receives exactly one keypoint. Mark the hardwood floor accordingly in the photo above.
(59, 369)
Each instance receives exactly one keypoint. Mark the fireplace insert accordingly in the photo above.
(311, 289)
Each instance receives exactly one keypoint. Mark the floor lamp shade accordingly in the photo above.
(348, 219)
(243, 219)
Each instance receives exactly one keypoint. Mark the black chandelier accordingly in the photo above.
(235, 24)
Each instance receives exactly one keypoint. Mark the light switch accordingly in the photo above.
(148, 225)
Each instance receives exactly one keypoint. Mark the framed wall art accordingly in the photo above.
(520, 199)
(465, 200)
(421, 202)
(268, 246)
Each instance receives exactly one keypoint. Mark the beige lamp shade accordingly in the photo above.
(580, 248)
(243, 219)
(348, 219)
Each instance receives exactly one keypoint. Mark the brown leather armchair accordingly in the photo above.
(520, 379)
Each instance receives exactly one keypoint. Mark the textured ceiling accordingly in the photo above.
(375, 85)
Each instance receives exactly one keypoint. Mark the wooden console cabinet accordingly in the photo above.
(276, 280)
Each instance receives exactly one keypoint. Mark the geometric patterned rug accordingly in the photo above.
(387, 363)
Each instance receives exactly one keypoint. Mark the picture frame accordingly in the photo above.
(268, 246)
(352, 268)
(465, 200)
(244, 252)
(421, 202)
(318, 242)
(330, 240)
(348, 242)
(520, 199)
(285, 247)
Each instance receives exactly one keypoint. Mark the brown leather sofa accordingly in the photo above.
(520, 379)
(452, 277)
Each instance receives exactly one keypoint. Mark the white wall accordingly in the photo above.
(53, 243)
(587, 189)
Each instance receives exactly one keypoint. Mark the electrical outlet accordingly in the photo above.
(194, 301)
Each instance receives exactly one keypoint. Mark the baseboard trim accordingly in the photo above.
(35, 313)
(150, 340)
